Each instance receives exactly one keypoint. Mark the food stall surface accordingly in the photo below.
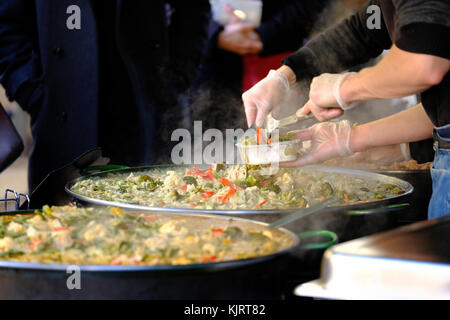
(411, 262)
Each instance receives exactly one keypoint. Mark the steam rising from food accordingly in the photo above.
(218, 105)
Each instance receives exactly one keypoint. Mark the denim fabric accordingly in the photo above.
(440, 173)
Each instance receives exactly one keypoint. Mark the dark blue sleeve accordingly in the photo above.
(188, 38)
(20, 68)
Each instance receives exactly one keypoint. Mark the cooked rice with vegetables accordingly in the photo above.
(236, 187)
(111, 236)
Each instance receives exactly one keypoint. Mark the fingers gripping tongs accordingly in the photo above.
(272, 124)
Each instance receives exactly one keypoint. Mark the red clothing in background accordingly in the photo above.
(256, 68)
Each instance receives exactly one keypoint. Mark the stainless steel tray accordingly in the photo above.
(406, 186)
(412, 262)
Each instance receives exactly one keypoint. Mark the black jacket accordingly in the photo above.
(53, 71)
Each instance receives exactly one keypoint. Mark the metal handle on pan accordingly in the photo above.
(15, 200)
(389, 208)
(333, 239)
(107, 167)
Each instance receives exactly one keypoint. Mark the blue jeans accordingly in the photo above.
(440, 173)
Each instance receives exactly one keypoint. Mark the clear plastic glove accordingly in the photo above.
(328, 140)
(325, 101)
(265, 96)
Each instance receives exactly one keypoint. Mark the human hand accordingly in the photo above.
(328, 140)
(238, 36)
(265, 96)
(325, 101)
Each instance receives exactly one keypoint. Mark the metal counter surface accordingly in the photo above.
(411, 262)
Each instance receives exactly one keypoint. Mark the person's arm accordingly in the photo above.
(20, 67)
(399, 74)
(334, 139)
(348, 44)
(286, 29)
(410, 125)
(188, 35)
(418, 60)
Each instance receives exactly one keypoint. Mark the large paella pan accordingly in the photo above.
(237, 189)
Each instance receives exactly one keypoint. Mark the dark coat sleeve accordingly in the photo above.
(20, 68)
(188, 36)
(348, 44)
(286, 29)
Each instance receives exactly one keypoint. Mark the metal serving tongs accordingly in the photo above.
(272, 124)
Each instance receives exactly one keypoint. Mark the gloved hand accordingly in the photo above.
(265, 96)
(328, 140)
(325, 101)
